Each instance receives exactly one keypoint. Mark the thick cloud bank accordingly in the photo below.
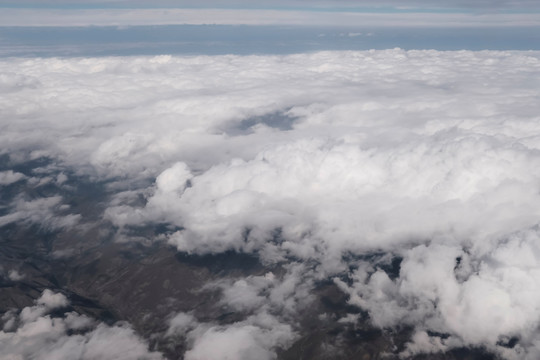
(347, 161)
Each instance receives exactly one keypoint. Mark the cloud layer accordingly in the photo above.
(318, 164)
(479, 4)
(263, 17)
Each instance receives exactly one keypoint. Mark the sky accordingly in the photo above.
(321, 13)
(91, 28)
(316, 4)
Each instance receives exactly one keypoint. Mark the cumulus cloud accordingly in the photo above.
(283, 295)
(391, 195)
(256, 337)
(265, 304)
(429, 157)
(36, 333)
(14, 275)
(478, 295)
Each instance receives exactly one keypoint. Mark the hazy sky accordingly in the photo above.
(349, 13)
(422, 4)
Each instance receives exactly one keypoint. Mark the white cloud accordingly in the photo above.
(429, 156)
(486, 298)
(10, 177)
(51, 300)
(256, 337)
(180, 324)
(14, 275)
(284, 295)
(34, 333)
(267, 304)
(422, 343)
(340, 197)
(243, 343)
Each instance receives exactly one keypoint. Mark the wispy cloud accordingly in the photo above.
(132, 17)
(313, 4)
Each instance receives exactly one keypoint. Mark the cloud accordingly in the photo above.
(10, 177)
(263, 307)
(42, 211)
(411, 177)
(35, 333)
(256, 337)
(405, 193)
(284, 295)
(478, 4)
(14, 275)
(262, 17)
(476, 298)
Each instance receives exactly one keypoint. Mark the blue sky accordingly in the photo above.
(415, 24)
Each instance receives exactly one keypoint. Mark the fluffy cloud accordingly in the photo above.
(266, 304)
(342, 197)
(284, 295)
(35, 333)
(10, 177)
(256, 337)
(429, 157)
(115, 98)
(476, 297)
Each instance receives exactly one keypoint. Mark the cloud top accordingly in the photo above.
(410, 178)
(35, 333)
